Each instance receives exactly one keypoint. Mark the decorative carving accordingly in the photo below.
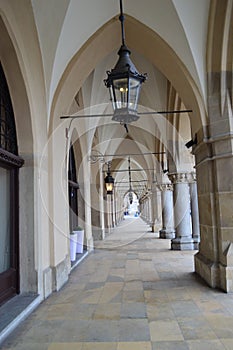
(180, 177)
(166, 187)
(193, 177)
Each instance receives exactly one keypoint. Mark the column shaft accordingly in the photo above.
(167, 212)
(195, 213)
(182, 210)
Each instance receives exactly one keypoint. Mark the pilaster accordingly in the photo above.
(214, 166)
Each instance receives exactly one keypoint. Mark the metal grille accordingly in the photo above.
(8, 139)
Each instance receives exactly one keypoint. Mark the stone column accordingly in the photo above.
(113, 210)
(87, 203)
(150, 210)
(168, 230)
(101, 205)
(182, 209)
(109, 212)
(194, 211)
(156, 209)
(143, 209)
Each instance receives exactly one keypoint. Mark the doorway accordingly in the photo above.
(10, 163)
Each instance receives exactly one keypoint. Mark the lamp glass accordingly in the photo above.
(109, 187)
(124, 93)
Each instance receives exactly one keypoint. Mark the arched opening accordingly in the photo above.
(10, 163)
(131, 204)
(24, 180)
(73, 190)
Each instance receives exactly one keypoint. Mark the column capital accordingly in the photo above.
(180, 177)
(193, 177)
(166, 187)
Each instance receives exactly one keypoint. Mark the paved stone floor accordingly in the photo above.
(131, 293)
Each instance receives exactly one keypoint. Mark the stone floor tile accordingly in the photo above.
(178, 294)
(211, 306)
(227, 343)
(165, 330)
(107, 311)
(90, 296)
(133, 285)
(222, 325)
(133, 330)
(72, 331)
(65, 346)
(81, 312)
(133, 310)
(133, 296)
(28, 346)
(134, 346)
(156, 297)
(110, 291)
(205, 345)
(172, 345)
(185, 308)
(42, 332)
(100, 346)
(196, 327)
(159, 311)
(102, 331)
(57, 311)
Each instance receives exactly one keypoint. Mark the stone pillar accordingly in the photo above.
(109, 212)
(214, 158)
(194, 211)
(101, 205)
(156, 209)
(168, 230)
(87, 197)
(113, 209)
(182, 209)
(150, 211)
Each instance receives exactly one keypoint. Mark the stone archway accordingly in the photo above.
(9, 60)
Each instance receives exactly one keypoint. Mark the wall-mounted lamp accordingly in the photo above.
(109, 180)
(124, 83)
(191, 142)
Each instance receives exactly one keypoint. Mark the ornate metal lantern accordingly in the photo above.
(124, 83)
(109, 181)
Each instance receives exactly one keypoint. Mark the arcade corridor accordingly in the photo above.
(131, 293)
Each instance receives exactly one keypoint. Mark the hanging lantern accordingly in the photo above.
(109, 181)
(124, 83)
(130, 198)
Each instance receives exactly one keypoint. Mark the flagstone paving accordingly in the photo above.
(131, 293)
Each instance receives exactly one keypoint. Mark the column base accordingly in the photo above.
(207, 269)
(182, 243)
(60, 274)
(216, 275)
(166, 234)
(196, 241)
(226, 278)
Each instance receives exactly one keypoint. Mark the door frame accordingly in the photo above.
(10, 279)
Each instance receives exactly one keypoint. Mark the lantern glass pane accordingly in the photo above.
(134, 93)
(109, 187)
(121, 93)
(112, 97)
